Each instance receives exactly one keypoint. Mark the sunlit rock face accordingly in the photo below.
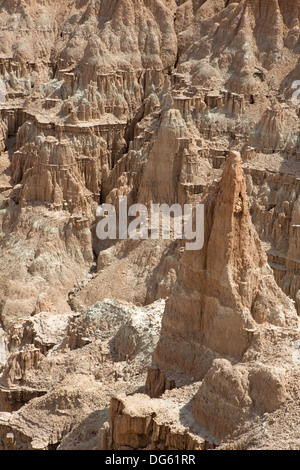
(164, 102)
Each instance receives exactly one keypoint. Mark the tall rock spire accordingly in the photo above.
(223, 295)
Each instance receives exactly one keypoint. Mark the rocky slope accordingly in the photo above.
(161, 101)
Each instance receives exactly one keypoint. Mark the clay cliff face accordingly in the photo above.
(162, 101)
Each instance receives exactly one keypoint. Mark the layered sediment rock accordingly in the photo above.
(141, 423)
(62, 369)
(273, 209)
(147, 100)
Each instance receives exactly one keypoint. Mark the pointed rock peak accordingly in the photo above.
(233, 186)
(233, 166)
(242, 267)
(225, 295)
(232, 231)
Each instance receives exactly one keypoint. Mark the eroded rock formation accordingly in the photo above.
(222, 325)
(163, 102)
